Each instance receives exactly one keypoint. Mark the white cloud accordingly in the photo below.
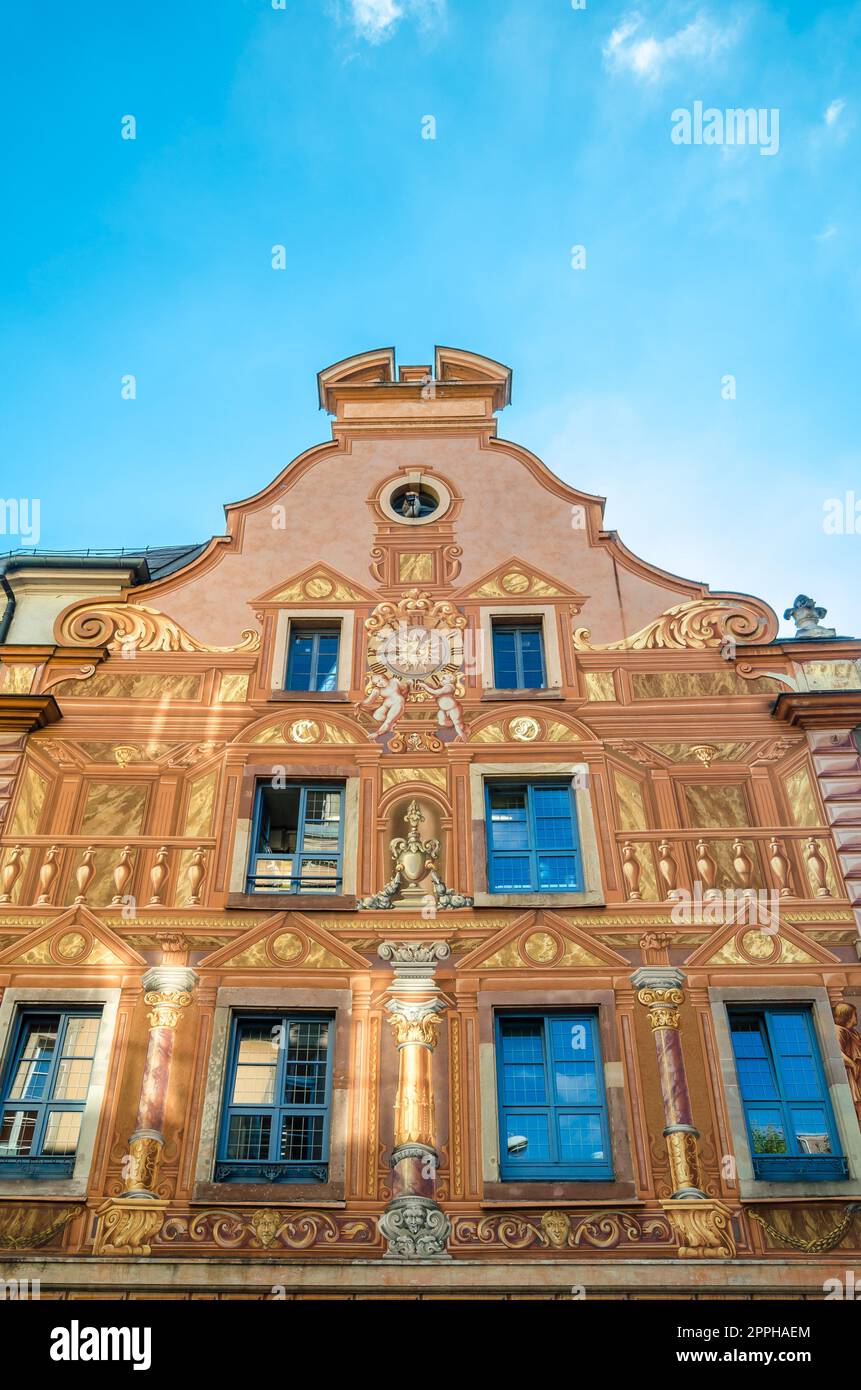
(629, 49)
(827, 233)
(833, 111)
(376, 20)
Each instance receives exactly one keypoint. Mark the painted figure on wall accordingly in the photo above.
(846, 1019)
(386, 700)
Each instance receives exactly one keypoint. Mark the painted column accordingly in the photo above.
(702, 1224)
(168, 992)
(413, 1223)
(127, 1224)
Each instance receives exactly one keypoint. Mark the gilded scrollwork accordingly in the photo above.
(696, 625)
(562, 1231)
(125, 626)
(268, 1229)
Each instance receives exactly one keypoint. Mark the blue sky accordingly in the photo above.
(302, 126)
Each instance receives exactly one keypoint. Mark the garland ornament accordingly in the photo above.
(696, 625)
(134, 627)
(811, 1247)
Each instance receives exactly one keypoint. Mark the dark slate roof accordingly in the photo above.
(149, 562)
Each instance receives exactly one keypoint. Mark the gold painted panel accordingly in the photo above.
(232, 688)
(683, 685)
(201, 799)
(114, 808)
(632, 805)
(415, 566)
(31, 799)
(833, 675)
(492, 733)
(716, 805)
(436, 776)
(599, 685)
(803, 806)
(16, 679)
(155, 685)
(684, 752)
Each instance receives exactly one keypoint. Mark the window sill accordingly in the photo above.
(549, 900)
(542, 693)
(293, 902)
(566, 1190)
(278, 1194)
(314, 697)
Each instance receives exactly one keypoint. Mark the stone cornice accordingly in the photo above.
(819, 709)
(24, 713)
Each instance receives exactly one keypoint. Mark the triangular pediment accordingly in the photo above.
(318, 584)
(287, 940)
(540, 941)
(769, 941)
(75, 938)
(516, 580)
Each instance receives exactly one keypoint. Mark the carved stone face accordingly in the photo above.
(414, 1220)
(556, 1226)
(266, 1225)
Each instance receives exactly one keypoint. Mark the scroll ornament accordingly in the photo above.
(696, 625)
(134, 627)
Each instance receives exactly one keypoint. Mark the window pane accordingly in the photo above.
(571, 1040)
(504, 658)
(248, 1137)
(767, 1131)
(305, 1080)
(299, 666)
(73, 1080)
(527, 1139)
(254, 1083)
(556, 872)
(512, 873)
(302, 1137)
(531, 658)
(580, 1139)
(811, 1131)
(273, 875)
(327, 662)
(16, 1134)
(32, 1071)
(319, 876)
(508, 821)
(322, 821)
(61, 1134)
(80, 1039)
(523, 1080)
(755, 1076)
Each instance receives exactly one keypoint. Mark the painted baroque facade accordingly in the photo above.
(715, 783)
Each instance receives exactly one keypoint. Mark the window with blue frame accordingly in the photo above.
(790, 1123)
(312, 658)
(275, 1126)
(518, 657)
(44, 1091)
(552, 1106)
(297, 839)
(533, 845)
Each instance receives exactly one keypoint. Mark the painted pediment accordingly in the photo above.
(772, 942)
(517, 580)
(318, 584)
(541, 941)
(287, 940)
(76, 938)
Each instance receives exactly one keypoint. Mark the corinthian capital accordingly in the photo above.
(415, 1022)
